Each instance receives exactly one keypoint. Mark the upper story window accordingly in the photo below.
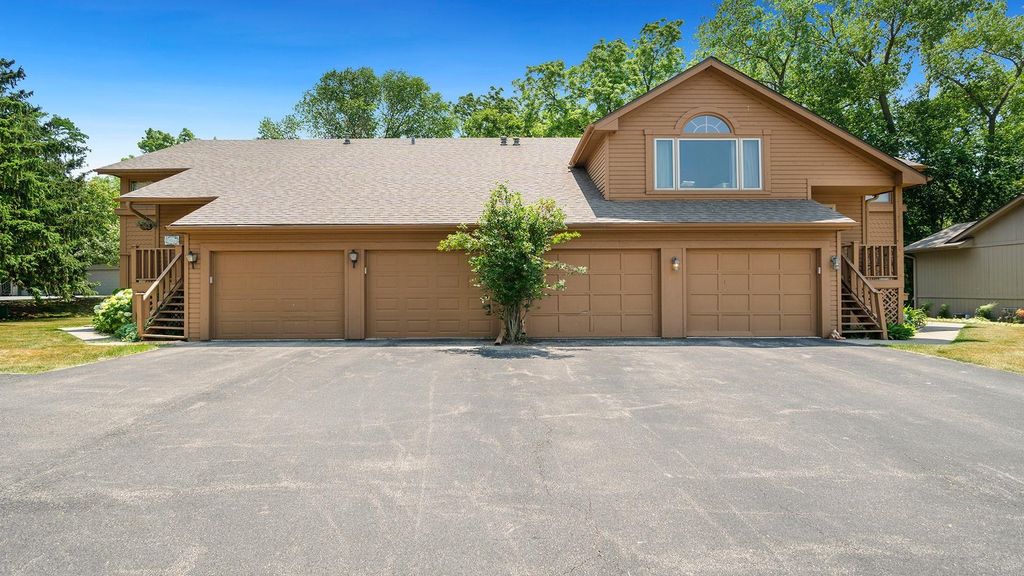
(136, 184)
(707, 161)
(706, 124)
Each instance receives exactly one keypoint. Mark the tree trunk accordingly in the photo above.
(890, 122)
(512, 324)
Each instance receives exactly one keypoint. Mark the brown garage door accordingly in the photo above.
(618, 297)
(263, 295)
(751, 293)
(423, 294)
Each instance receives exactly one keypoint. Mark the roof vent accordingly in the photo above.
(515, 141)
(412, 140)
(504, 140)
(347, 141)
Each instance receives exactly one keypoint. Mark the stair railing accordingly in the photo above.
(147, 304)
(869, 297)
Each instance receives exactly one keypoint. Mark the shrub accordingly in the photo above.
(927, 307)
(944, 311)
(128, 333)
(901, 331)
(986, 311)
(917, 317)
(113, 313)
(1018, 316)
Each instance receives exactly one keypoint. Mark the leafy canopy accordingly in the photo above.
(357, 103)
(53, 223)
(507, 252)
(154, 140)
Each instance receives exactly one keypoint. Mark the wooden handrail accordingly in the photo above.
(148, 263)
(879, 260)
(869, 297)
(147, 304)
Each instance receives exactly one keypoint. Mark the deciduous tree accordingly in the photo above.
(506, 251)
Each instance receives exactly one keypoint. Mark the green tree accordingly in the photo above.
(357, 103)
(769, 41)
(507, 252)
(488, 116)
(154, 139)
(102, 194)
(561, 100)
(342, 104)
(287, 128)
(655, 56)
(52, 224)
(408, 107)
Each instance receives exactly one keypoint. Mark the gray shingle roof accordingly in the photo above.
(391, 181)
(939, 239)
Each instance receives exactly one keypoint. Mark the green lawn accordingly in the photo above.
(37, 345)
(993, 344)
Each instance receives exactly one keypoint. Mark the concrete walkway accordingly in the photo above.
(89, 335)
(935, 332)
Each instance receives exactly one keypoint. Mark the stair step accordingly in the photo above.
(176, 328)
(163, 337)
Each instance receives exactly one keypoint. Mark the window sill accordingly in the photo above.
(709, 193)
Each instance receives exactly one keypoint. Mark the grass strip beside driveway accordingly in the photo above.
(993, 344)
(38, 344)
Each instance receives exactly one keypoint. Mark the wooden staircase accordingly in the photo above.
(168, 323)
(160, 310)
(863, 315)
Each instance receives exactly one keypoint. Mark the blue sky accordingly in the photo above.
(117, 67)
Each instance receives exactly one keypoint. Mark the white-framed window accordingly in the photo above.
(707, 164)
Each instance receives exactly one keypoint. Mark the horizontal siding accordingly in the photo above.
(597, 167)
(969, 277)
(847, 203)
(795, 153)
(881, 228)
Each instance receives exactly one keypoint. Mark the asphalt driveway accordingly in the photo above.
(745, 457)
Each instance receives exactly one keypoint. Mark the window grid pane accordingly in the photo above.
(664, 174)
(706, 124)
(752, 164)
(707, 164)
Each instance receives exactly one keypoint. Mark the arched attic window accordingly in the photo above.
(706, 124)
(707, 156)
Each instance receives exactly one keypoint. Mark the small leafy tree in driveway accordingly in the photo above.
(506, 252)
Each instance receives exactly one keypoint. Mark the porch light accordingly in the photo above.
(835, 262)
(353, 257)
(192, 258)
(675, 263)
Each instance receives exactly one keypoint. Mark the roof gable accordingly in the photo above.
(610, 122)
(957, 235)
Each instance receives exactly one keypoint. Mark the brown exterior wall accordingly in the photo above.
(849, 203)
(795, 155)
(667, 242)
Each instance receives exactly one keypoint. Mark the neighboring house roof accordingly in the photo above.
(941, 239)
(432, 182)
(911, 176)
(957, 234)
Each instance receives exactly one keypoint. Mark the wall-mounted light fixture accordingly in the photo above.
(192, 258)
(835, 262)
(353, 257)
(675, 263)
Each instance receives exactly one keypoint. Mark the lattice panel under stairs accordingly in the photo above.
(891, 304)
